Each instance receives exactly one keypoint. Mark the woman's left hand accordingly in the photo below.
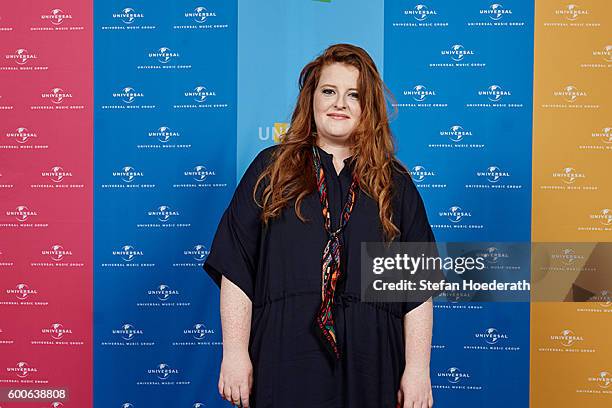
(415, 389)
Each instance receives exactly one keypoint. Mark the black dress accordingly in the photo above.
(279, 269)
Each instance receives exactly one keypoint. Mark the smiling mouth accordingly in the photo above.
(337, 116)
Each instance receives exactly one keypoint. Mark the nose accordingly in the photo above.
(339, 102)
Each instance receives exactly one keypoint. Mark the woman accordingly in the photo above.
(287, 250)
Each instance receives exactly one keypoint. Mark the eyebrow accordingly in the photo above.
(334, 86)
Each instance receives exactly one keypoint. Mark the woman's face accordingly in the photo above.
(336, 102)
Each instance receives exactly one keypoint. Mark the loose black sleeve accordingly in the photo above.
(235, 246)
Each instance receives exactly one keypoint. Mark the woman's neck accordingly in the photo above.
(340, 152)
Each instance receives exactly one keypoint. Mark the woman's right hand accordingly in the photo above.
(236, 378)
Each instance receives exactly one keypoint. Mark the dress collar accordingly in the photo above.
(330, 157)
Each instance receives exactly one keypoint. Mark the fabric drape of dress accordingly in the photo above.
(279, 269)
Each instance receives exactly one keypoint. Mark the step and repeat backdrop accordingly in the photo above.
(125, 126)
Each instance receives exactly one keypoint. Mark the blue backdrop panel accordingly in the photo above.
(462, 76)
(165, 163)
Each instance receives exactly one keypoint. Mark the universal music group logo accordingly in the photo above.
(22, 291)
(56, 17)
(570, 97)
(454, 378)
(602, 58)
(196, 256)
(25, 216)
(22, 60)
(422, 97)
(455, 217)
(128, 98)
(57, 253)
(567, 256)
(163, 296)
(164, 133)
(420, 16)
(200, 14)
(602, 380)
(493, 174)
(457, 56)
(126, 257)
(129, 177)
(127, 19)
(605, 53)
(569, 178)
(573, 15)
(599, 220)
(161, 217)
(423, 177)
(128, 94)
(495, 258)
(457, 53)
(572, 12)
(491, 339)
(496, 12)
(127, 335)
(22, 213)
(566, 341)
(164, 55)
(57, 20)
(162, 374)
(24, 295)
(23, 369)
(57, 335)
(204, 19)
(128, 174)
(197, 335)
(58, 177)
(495, 96)
(57, 95)
(602, 299)
(21, 136)
(57, 256)
(204, 98)
(59, 99)
(421, 12)
(458, 135)
(164, 137)
(494, 177)
(496, 15)
(199, 253)
(203, 177)
(128, 332)
(604, 217)
(128, 253)
(163, 58)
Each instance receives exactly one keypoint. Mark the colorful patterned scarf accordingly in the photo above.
(330, 263)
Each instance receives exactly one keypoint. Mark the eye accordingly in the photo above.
(354, 95)
(327, 91)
